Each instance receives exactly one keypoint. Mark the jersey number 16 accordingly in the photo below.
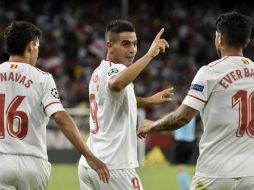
(16, 131)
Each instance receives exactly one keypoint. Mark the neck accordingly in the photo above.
(18, 59)
(231, 52)
(108, 58)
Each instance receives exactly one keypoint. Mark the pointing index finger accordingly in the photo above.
(158, 36)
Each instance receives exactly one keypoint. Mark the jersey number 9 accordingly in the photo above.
(93, 112)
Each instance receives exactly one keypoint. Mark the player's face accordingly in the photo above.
(217, 43)
(35, 52)
(124, 48)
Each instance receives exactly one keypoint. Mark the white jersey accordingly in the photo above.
(28, 97)
(113, 120)
(223, 92)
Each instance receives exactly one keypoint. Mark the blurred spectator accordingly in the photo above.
(73, 45)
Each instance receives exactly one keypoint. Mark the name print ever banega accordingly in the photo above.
(15, 77)
(236, 75)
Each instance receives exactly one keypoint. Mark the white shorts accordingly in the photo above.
(202, 183)
(23, 172)
(120, 179)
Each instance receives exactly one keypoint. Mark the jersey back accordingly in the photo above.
(28, 96)
(223, 92)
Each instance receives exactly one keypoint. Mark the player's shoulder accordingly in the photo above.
(218, 62)
(39, 75)
(36, 69)
(247, 61)
(114, 68)
(23, 66)
(110, 64)
(109, 68)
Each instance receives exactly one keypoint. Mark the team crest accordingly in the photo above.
(55, 93)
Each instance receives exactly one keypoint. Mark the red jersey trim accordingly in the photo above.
(219, 61)
(51, 104)
(197, 98)
(109, 62)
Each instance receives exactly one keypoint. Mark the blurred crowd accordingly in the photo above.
(73, 41)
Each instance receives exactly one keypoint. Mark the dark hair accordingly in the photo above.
(18, 34)
(235, 28)
(118, 26)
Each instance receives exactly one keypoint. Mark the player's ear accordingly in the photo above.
(109, 44)
(220, 38)
(246, 43)
(30, 47)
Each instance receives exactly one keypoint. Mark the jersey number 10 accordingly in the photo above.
(20, 131)
(246, 112)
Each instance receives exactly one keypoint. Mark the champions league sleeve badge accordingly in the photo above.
(113, 71)
(55, 93)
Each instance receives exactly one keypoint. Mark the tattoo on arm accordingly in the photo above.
(170, 122)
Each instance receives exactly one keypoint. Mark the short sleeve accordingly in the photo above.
(200, 89)
(51, 99)
(114, 70)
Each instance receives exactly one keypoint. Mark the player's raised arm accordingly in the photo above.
(158, 45)
(121, 80)
(70, 130)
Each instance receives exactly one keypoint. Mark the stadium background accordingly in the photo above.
(73, 45)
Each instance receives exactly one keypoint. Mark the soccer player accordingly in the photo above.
(28, 97)
(223, 93)
(113, 108)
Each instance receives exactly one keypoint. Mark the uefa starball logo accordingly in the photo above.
(55, 93)
(113, 71)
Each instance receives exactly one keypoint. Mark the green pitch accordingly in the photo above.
(161, 177)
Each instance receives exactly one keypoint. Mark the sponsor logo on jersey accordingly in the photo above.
(55, 93)
(197, 87)
(113, 71)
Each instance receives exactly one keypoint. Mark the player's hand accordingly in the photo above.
(99, 167)
(144, 128)
(158, 45)
(162, 96)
